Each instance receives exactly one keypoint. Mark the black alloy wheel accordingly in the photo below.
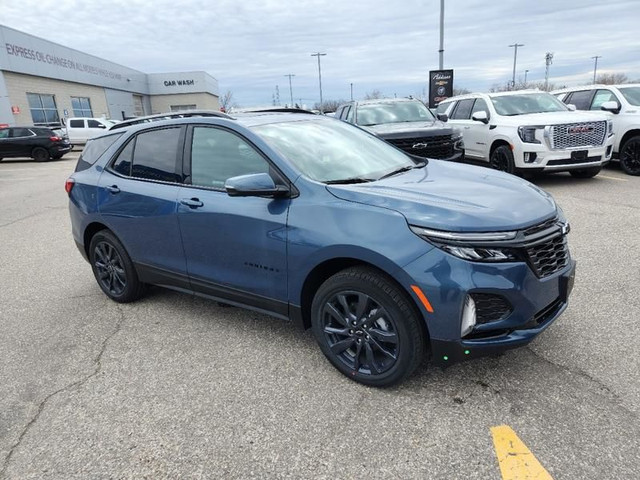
(630, 156)
(366, 327)
(502, 159)
(113, 268)
(40, 154)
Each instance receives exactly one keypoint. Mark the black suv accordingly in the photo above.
(39, 143)
(408, 124)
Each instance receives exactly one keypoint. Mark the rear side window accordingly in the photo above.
(582, 99)
(96, 147)
(463, 109)
(442, 107)
(76, 123)
(21, 132)
(155, 155)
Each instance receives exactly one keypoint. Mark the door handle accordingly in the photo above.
(113, 189)
(191, 202)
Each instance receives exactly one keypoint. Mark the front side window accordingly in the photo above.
(217, 155)
(480, 106)
(333, 152)
(602, 96)
(95, 124)
(393, 112)
(81, 107)
(525, 103)
(43, 109)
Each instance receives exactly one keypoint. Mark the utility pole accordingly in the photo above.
(290, 89)
(277, 96)
(548, 60)
(441, 51)
(318, 54)
(352, 92)
(525, 77)
(515, 56)
(595, 67)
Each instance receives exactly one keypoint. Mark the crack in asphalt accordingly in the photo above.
(97, 361)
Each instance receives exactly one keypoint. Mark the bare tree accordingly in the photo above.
(226, 101)
(460, 91)
(329, 106)
(374, 95)
(612, 78)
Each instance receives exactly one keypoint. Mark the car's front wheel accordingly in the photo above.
(585, 172)
(502, 159)
(113, 269)
(367, 328)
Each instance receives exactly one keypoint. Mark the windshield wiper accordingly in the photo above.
(403, 169)
(347, 181)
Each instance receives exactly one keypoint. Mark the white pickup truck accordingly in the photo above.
(81, 129)
(530, 131)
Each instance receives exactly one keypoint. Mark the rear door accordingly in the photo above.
(235, 246)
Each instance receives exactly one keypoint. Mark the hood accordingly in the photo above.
(454, 197)
(410, 129)
(553, 118)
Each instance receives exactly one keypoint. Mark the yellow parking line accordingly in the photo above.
(515, 459)
(613, 178)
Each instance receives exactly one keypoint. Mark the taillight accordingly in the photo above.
(68, 185)
(55, 139)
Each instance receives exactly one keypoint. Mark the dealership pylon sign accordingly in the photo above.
(440, 86)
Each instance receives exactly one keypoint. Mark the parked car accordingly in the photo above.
(623, 103)
(386, 257)
(79, 130)
(39, 143)
(530, 131)
(406, 123)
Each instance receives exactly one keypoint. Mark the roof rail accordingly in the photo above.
(169, 116)
(271, 110)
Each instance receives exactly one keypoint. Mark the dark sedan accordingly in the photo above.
(39, 143)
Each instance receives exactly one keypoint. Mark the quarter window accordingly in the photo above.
(463, 109)
(217, 155)
(43, 109)
(122, 164)
(81, 106)
(350, 110)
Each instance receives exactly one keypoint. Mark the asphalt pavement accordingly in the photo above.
(174, 386)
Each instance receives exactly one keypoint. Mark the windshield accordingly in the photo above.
(522, 104)
(397, 112)
(631, 94)
(331, 151)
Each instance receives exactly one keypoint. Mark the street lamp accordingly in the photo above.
(290, 89)
(525, 77)
(352, 92)
(515, 56)
(595, 67)
(318, 54)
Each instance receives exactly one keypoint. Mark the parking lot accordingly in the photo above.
(174, 386)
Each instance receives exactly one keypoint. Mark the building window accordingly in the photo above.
(81, 107)
(180, 108)
(43, 109)
(138, 108)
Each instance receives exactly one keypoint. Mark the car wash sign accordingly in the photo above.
(440, 86)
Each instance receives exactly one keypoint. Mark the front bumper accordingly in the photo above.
(538, 157)
(537, 303)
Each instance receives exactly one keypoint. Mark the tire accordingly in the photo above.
(630, 156)
(40, 154)
(367, 328)
(585, 172)
(502, 159)
(113, 268)
(56, 156)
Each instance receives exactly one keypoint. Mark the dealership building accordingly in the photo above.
(42, 83)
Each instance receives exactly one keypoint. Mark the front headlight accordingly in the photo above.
(609, 127)
(528, 134)
(462, 244)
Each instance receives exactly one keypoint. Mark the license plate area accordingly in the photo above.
(579, 155)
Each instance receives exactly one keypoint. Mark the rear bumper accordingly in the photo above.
(60, 149)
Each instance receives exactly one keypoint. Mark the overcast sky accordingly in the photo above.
(250, 45)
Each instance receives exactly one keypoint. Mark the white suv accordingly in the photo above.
(623, 103)
(530, 131)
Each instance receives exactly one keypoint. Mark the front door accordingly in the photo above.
(236, 247)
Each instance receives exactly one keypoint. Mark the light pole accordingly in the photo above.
(352, 92)
(318, 54)
(290, 89)
(525, 77)
(548, 60)
(441, 51)
(515, 56)
(595, 67)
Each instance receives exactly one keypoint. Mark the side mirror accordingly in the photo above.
(480, 116)
(442, 117)
(101, 126)
(254, 185)
(571, 107)
(611, 106)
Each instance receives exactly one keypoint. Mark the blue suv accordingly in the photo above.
(387, 257)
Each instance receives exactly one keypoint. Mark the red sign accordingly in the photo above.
(15, 110)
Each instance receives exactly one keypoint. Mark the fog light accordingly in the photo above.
(468, 316)
(530, 157)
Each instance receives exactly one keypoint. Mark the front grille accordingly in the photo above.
(491, 308)
(575, 135)
(549, 256)
(440, 146)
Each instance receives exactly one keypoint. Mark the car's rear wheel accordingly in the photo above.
(113, 268)
(367, 328)
(40, 154)
(630, 156)
(502, 159)
(585, 172)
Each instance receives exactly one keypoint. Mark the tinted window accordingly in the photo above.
(122, 164)
(217, 155)
(155, 154)
(581, 100)
(21, 132)
(442, 107)
(463, 110)
(602, 96)
(4, 133)
(76, 123)
(480, 106)
(96, 147)
(94, 124)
